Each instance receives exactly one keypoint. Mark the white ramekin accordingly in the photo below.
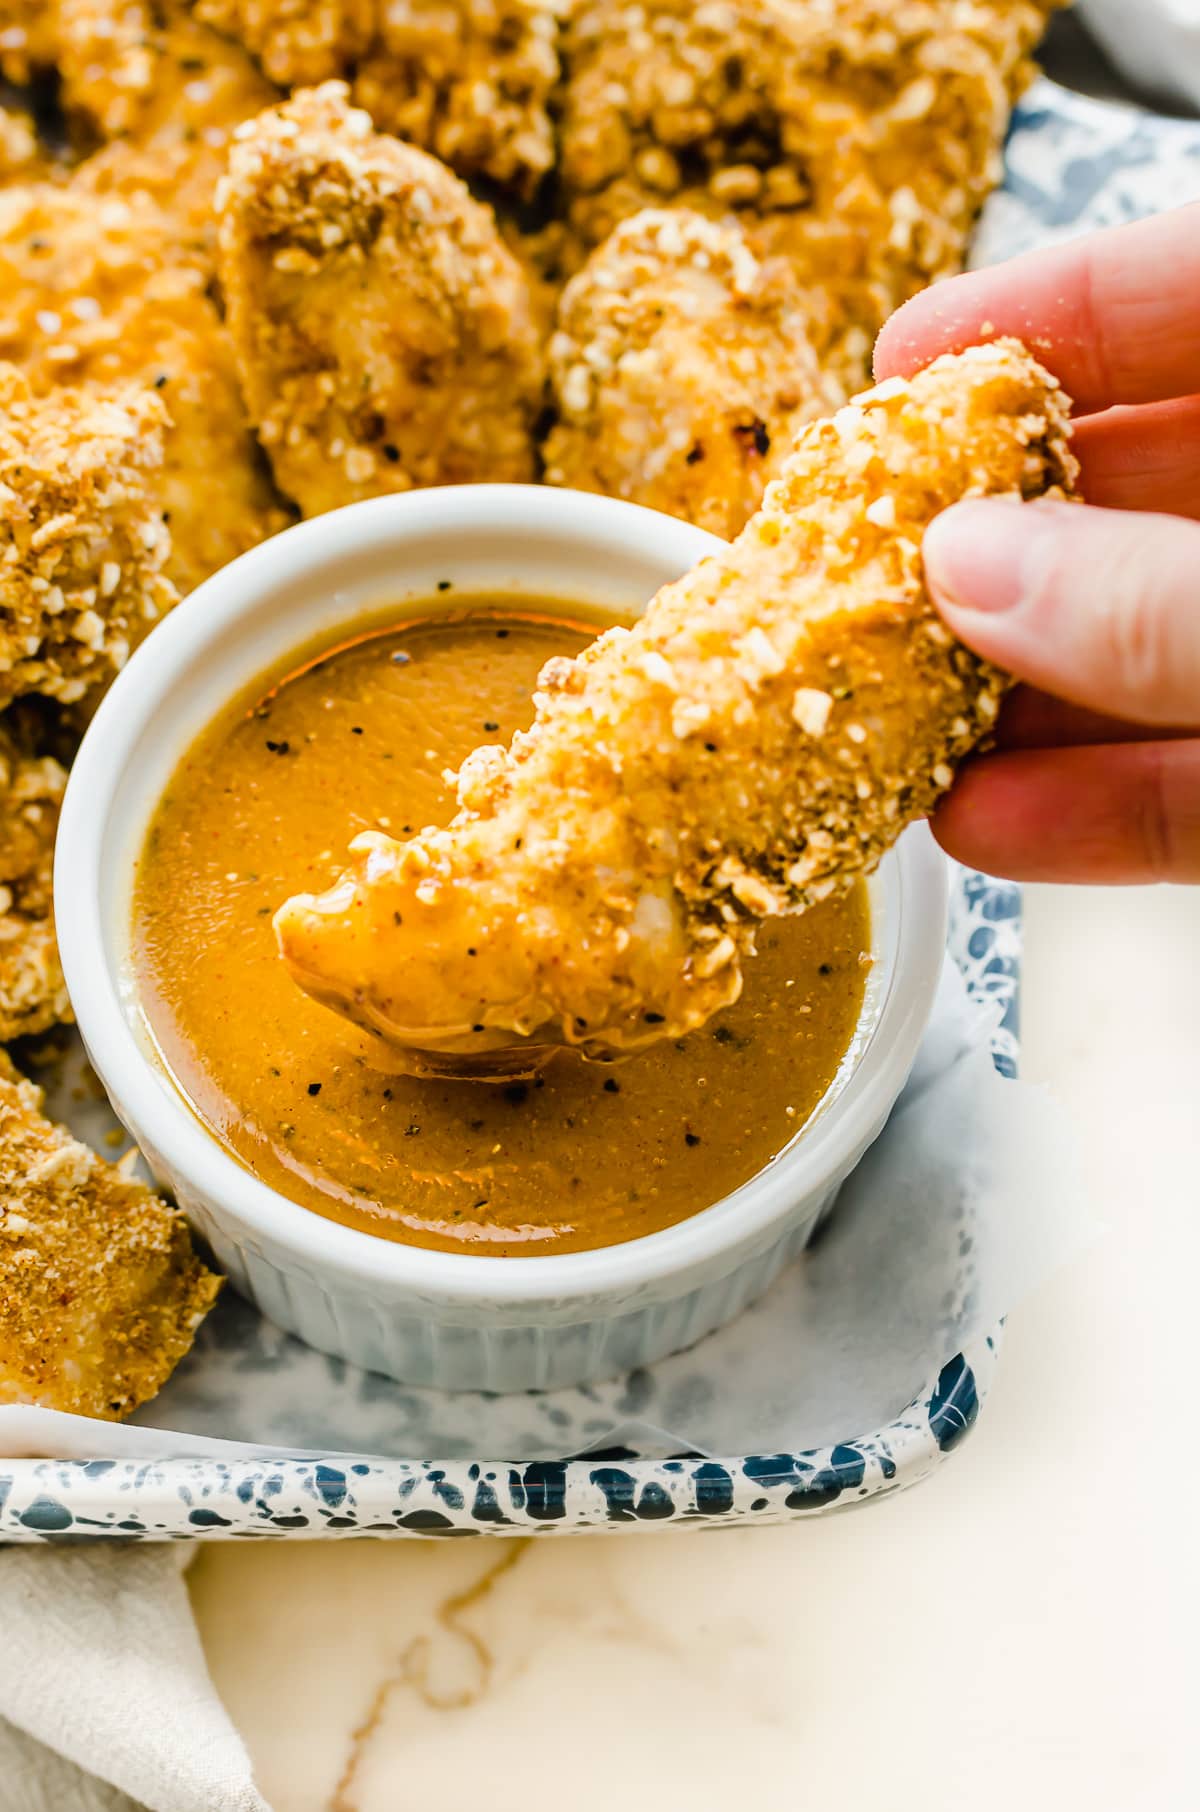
(434, 1317)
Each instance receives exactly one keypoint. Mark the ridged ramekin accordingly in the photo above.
(433, 1317)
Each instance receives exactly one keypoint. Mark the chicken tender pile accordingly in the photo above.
(384, 335)
(753, 745)
(33, 995)
(100, 1291)
(82, 539)
(681, 371)
(859, 138)
(223, 302)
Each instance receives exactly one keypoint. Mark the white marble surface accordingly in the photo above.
(1020, 1630)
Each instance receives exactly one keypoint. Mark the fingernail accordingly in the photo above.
(984, 554)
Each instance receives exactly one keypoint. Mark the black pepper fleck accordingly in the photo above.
(314, 1088)
(691, 1138)
(653, 1019)
(489, 726)
(278, 748)
(612, 1086)
(443, 584)
(391, 452)
(825, 969)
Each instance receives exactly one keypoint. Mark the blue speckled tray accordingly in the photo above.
(1072, 164)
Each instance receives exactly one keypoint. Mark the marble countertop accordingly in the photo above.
(1020, 1629)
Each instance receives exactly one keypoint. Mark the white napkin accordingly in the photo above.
(102, 1670)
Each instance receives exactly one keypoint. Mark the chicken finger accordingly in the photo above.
(100, 1291)
(385, 337)
(752, 745)
(681, 370)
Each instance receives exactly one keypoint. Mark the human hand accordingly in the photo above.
(1096, 774)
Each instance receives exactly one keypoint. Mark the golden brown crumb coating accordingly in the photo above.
(28, 39)
(384, 335)
(471, 80)
(100, 1291)
(858, 137)
(159, 92)
(752, 745)
(297, 41)
(82, 541)
(20, 154)
(94, 292)
(681, 371)
(33, 995)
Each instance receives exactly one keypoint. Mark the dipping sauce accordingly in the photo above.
(354, 738)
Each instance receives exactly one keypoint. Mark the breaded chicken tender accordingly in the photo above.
(751, 746)
(681, 371)
(100, 1291)
(860, 138)
(33, 995)
(82, 541)
(384, 336)
(93, 294)
(298, 41)
(162, 93)
(471, 80)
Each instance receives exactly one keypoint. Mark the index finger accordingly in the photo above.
(1112, 315)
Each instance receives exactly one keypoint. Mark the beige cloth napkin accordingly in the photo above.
(106, 1704)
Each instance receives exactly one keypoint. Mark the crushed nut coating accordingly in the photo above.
(384, 335)
(681, 370)
(100, 1291)
(33, 994)
(858, 138)
(82, 542)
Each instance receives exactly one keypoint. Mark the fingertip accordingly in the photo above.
(901, 342)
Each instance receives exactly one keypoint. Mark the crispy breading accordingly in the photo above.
(100, 1291)
(751, 746)
(82, 541)
(681, 370)
(471, 80)
(297, 41)
(858, 137)
(163, 93)
(95, 292)
(385, 337)
(20, 154)
(28, 39)
(33, 995)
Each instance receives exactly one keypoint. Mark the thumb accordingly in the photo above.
(1098, 606)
